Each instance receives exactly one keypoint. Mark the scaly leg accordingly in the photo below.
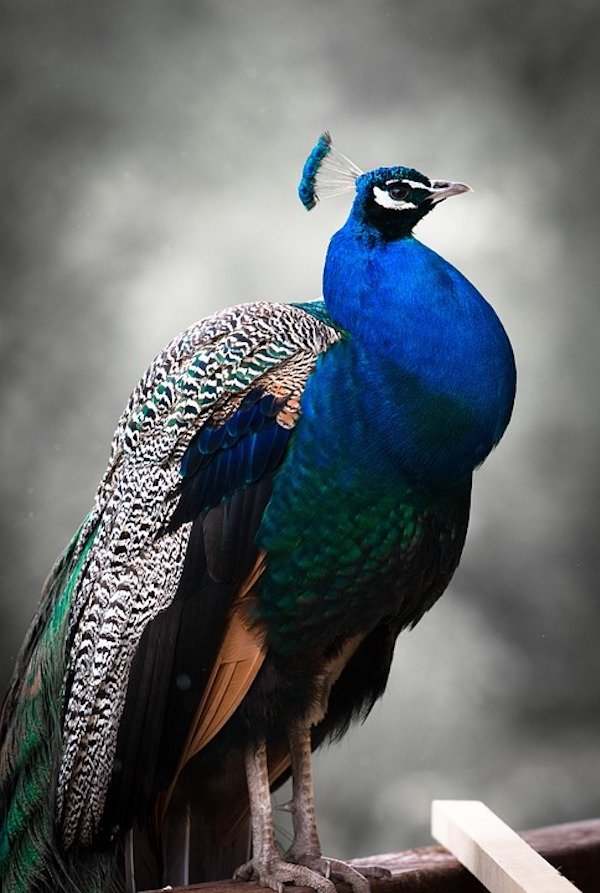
(306, 843)
(306, 847)
(267, 865)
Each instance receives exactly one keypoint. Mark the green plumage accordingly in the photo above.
(30, 856)
(347, 537)
(32, 716)
(350, 567)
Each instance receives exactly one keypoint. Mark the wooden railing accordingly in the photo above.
(573, 849)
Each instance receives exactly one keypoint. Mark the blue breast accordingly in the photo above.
(437, 373)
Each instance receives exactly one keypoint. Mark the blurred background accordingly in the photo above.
(151, 152)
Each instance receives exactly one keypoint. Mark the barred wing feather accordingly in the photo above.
(154, 570)
(136, 562)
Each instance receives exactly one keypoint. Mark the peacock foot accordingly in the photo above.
(276, 872)
(373, 872)
(339, 871)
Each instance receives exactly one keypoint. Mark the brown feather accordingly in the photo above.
(239, 659)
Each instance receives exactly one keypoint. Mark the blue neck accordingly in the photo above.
(439, 374)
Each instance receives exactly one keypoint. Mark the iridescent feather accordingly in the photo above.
(326, 172)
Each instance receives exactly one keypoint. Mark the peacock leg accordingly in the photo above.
(306, 846)
(267, 866)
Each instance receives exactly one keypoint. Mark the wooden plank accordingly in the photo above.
(492, 851)
(574, 848)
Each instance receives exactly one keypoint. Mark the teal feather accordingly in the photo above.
(326, 172)
(31, 726)
(312, 165)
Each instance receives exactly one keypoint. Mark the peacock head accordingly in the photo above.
(389, 201)
(392, 200)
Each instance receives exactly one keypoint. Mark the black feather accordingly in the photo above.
(175, 657)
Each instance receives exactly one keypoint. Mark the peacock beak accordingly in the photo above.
(441, 189)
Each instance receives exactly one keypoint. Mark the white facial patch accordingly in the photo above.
(383, 198)
(414, 184)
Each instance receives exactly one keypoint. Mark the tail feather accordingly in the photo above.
(30, 743)
(204, 834)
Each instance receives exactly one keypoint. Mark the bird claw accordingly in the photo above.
(244, 872)
(342, 871)
(374, 872)
(338, 870)
(277, 872)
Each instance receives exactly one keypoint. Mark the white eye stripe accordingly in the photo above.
(414, 184)
(383, 198)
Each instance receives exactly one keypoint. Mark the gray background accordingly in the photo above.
(151, 155)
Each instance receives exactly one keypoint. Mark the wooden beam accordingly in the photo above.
(573, 848)
(492, 851)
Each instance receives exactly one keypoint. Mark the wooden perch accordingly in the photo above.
(574, 849)
(492, 851)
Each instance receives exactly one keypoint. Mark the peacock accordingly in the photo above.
(288, 489)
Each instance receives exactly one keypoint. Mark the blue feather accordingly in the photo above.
(220, 460)
(306, 189)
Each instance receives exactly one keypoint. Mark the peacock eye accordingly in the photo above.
(398, 193)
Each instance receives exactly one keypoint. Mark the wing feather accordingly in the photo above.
(135, 568)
